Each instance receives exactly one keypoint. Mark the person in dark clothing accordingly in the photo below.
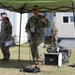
(6, 33)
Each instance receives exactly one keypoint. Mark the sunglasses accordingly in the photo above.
(34, 9)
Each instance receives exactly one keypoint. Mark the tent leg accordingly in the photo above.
(19, 37)
(73, 12)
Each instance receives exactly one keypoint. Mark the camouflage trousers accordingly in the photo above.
(36, 51)
(54, 41)
(5, 51)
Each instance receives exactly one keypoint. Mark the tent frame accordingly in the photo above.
(49, 9)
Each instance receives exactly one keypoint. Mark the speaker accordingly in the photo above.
(52, 59)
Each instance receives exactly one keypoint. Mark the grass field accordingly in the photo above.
(13, 66)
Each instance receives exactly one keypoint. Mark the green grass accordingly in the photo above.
(13, 66)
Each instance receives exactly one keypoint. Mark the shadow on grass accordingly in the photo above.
(15, 63)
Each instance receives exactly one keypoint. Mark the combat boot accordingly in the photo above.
(38, 65)
(5, 59)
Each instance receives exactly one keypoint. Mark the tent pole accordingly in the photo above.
(73, 12)
(19, 36)
(20, 29)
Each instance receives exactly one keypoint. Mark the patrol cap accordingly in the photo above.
(3, 13)
(36, 6)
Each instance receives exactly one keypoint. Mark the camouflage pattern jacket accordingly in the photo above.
(40, 28)
(6, 32)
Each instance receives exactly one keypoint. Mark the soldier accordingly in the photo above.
(35, 28)
(54, 37)
(2, 16)
(6, 33)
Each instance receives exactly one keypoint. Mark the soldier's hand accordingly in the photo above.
(29, 32)
(52, 35)
(43, 20)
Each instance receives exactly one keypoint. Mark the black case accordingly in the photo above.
(66, 53)
(52, 59)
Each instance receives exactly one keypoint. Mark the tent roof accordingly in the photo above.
(25, 6)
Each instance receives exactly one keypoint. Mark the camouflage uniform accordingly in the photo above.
(54, 38)
(6, 32)
(37, 41)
